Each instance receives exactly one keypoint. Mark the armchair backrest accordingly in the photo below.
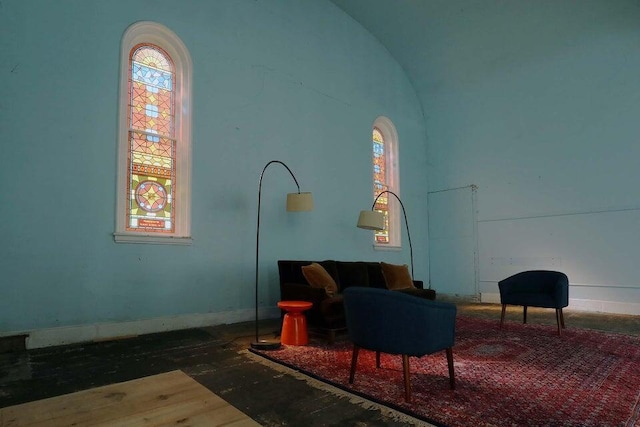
(553, 283)
(396, 323)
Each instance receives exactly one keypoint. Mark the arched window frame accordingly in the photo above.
(146, 32)
(392, 169)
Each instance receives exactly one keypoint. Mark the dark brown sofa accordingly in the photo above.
(327, 313)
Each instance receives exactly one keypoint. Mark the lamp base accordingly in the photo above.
(265, 345)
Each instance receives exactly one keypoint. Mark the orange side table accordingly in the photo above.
(294, 325)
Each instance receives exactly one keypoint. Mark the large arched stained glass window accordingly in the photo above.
(152, 145)
(380, 184)
(153, 203)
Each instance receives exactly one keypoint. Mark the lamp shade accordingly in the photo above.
(299, 202)
(371, 220)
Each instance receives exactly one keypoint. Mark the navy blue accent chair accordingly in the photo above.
(536, 288)
(392, 322)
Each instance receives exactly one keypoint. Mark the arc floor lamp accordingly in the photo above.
(374, 220)
(296, 202)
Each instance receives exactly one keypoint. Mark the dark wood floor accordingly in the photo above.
(216, 357)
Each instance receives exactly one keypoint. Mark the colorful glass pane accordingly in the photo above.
(152, 149)
(151, 109)
(151, 196)
(150, 204)
(152, 56)
(380, 183)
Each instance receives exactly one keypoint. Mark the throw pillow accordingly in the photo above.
(318, 277)
(397, 276)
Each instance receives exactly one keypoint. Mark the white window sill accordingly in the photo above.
(151, 239)
(387, 248)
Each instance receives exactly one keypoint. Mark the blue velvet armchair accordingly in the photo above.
(395, 323)
(536, 288)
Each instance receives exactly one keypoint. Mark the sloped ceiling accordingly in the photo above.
(437, 40)
(405, 26)
(444, 42)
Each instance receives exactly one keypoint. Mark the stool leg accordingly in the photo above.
(504, 308)
(524, 320)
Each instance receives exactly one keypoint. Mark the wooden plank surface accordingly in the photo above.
(172, 398)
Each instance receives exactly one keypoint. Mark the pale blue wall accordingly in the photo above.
(297, 81)
(538, 104)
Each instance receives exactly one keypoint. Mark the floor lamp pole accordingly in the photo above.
(295, 202)
(404, 212)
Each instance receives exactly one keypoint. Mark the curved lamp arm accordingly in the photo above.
(296, 202)
(374, 220)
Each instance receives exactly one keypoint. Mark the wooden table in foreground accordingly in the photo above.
(172, 398)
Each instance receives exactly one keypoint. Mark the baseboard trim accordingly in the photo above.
(64, 335)
(490, 298)
(582, 305)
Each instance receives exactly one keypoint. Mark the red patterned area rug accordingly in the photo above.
(523, 375)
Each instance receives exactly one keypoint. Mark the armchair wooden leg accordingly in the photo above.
(377, 359)
(524, 319)
(407, 383)
(452, 376)
(560, 320)
(504, 309)
(354, 361)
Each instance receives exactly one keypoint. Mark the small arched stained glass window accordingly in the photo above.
(380, 184)
(152, 144)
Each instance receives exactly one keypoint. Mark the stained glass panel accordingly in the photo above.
(150, 203)
(151, 109)
(380, 183)
(152, 148)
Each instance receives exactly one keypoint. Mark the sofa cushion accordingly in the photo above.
(396, 276)
(318, 277)
(352, 273)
